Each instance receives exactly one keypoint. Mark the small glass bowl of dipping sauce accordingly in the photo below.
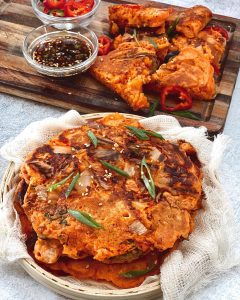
(47, 17)
(60, 49)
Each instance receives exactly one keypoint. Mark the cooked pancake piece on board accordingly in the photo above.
(85, 198)
(210, 42)
(160, 43)
(191, 70)
(193, 20)
(138, 16)
(126, 69)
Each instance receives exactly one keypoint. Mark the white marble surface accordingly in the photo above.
(16, 113)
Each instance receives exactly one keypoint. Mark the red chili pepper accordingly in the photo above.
(54, 4)
(219, 29)
(184, 99)
(46, 10)
(89, 3)
(74, 9)
(104, 45)
(216, 69)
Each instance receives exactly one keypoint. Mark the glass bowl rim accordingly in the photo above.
(62, 69)
(65, 19)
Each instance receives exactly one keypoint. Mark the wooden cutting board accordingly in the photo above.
(84, 93)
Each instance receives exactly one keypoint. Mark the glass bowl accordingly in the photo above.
(83, 20)
(56, 30)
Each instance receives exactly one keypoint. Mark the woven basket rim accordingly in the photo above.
(58, 284)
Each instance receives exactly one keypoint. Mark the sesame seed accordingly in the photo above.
(100, 204)
(49, 201)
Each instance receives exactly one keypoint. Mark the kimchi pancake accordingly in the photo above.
(189, 69)
(80, 208)
(125, 70)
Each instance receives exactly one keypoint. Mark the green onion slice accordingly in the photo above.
(148, 181)
(155, 134)
(172, 28)
(151, 41)
(57, 184)
(139, 133)
(93, 138)
(186, 114)
(135, 36)
(84, 218)
(152, 109)
(72, 184)
(114, 168)
(137, 273)
(142, 134)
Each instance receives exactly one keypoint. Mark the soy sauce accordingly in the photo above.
(59, 52)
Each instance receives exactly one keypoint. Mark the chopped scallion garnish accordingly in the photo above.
(148, 180)
(114, 168)
(151, 41)
(84, 218)
(139, 133)
(72, 184)
(142, 134)
(57, 184)
(137, 273)
(172, 29)
(93, 138)
(135, 36)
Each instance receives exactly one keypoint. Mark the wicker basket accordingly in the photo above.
(73, 290)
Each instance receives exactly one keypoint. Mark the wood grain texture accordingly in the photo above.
(84, 93)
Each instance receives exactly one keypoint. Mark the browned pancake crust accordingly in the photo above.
(191, 70)
(111, 199)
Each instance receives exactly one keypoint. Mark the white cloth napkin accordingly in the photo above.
(210, 249)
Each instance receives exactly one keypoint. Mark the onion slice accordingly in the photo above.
(41, 191)
(138, 227)
(62, 149)
(130, 169)
(84, 181)
(155, 154)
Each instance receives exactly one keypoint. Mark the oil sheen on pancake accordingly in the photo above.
(132, 224)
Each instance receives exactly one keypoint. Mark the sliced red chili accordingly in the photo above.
(88, 3)
(54, 4)
(104, 45)
(180, 94)
(74, 9)
(46, 10)
(216, 69)
(219, 29)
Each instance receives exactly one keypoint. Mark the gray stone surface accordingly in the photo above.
(16, 113)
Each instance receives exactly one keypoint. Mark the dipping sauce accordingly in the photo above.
(59, 52)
